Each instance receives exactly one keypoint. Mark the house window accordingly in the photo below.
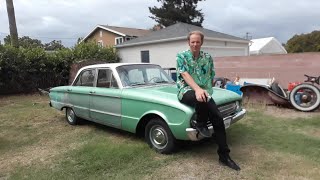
(145, 57)
(100, 33)
(119, 40)
(100, 43)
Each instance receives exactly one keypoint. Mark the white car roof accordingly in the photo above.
(106, 65)
(110, 65)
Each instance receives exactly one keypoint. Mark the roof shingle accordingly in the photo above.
(128, 31)
(178, 30)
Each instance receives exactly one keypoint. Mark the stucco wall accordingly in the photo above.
(285, 67)
(164, 54)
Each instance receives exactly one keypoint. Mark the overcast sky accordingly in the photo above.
(68, 20)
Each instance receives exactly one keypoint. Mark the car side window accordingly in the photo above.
(86, 78)
(106, 79)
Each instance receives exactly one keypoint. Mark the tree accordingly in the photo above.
(12, 23)
(156, 27)
(173, 11)
(304, 43)
(25, 42)
(79, 40)
(53, 45)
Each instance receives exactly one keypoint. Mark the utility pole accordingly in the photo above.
(247, 36)
(12, 24)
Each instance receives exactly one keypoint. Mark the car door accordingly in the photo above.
(79, 93)
(105, 101)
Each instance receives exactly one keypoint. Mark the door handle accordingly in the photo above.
(69, 90)
(92, 92)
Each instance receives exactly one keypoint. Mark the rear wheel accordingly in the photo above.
(71, 117)
(159, 136)
(305, 97)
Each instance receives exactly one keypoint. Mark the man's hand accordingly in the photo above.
(201, 95)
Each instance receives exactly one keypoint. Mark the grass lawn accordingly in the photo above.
(37, 143)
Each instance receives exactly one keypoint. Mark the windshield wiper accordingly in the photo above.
(164, 81)
(137, 84)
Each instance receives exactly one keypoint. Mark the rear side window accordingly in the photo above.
(106, 79)
(86, 78)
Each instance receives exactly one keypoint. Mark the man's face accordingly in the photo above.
(195, 43)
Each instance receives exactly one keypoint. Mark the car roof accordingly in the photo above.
(111, 65)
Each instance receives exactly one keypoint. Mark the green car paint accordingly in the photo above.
(135, 104)
(163, 101)
(125, 107)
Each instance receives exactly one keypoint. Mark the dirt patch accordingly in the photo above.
(41, 153)
(261, 164)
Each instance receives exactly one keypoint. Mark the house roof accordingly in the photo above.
(179, 31)
(258, 44)
(122, 31)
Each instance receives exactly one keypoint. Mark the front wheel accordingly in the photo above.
(305, 97)
(71, 117)
(159, 136)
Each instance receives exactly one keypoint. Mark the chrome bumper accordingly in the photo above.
(193, 134)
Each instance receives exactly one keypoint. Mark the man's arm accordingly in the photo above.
(201, 94)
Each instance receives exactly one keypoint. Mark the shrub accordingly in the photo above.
(26, 69)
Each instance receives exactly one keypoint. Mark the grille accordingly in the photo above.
(228, 109)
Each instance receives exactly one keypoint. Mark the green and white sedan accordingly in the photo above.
(139, 98)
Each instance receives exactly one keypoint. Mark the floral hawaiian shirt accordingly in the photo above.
(201, 70)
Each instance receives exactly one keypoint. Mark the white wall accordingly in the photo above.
(164, 54)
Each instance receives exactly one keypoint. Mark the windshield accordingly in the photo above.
(142, 74)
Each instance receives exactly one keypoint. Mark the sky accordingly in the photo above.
(67, 20)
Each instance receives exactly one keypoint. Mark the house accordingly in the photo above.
(160, 47)
(112, 35)
(269, 45)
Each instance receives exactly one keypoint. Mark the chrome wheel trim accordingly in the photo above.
(158, 137)
(70, 115)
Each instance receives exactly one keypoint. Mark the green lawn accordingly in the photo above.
(37, 143)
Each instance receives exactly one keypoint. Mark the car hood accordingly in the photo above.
(168, 94)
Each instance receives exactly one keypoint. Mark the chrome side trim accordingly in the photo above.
(103, 95)
(193, 133)
(107, 113)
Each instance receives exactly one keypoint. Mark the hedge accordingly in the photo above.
(24, 70)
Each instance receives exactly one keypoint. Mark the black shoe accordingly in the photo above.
(227, 161)
(204, 131)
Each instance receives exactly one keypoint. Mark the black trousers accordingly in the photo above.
(209, 111)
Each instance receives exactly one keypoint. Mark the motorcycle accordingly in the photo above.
(306, 96)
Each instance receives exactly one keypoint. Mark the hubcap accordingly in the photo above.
(158, 137)
(305, 98)
(70, 115)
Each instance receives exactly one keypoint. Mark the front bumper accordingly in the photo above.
(193, 134)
